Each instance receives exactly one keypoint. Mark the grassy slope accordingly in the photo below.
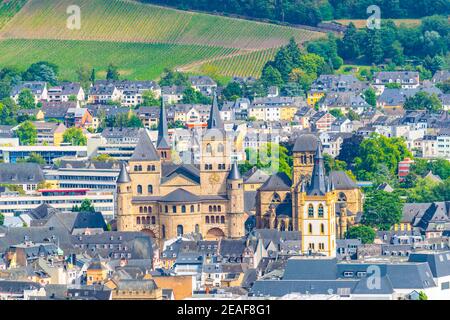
(141, 39)
(9, 9)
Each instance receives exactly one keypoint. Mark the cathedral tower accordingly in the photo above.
(215, 155)
(316, 211)
(162, 145)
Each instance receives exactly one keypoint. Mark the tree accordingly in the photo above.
(86, 206)
(149, 99)
(337, 113)
(5, 89)
(271, 76)
(365, 233)
(350, 149)
(42, 71)
(423, 296)
(112, 74)
(332, 164)
(352, 115)
(374, 49)
(2, 219)
(382, 210)
(370, 97)
(27, 133)
(423, 101)
(172, 78)
(349, 46)
(377, 153)
(26, 99)
(232, 91)
(8, 112)
(103, 158)
(75, 137)
(192, 96)
(35, 158)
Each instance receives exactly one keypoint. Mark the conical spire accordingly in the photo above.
(215, 122)
(317, 185)
(163, 134)
(234, 172)
(124, 177)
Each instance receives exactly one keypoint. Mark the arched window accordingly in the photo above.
(198, 208)
(174, 209)
(322, 228)
(136, 168)
(210, 208)
(215, 208)
(220, 148)
(207, 219)
(217, 219)
(282, 226)
(212, 219)
(166, 209)
(310, 228)
(219, 208)
(222, 219)
(149, 209)
(139, 168)
(148, 220)
(208, 148)
(139, 189)
(153, 220)
(183, 209)
(163, 231)
(150, 189)
(192, 208)
(138, 220)
(276, 197)
(179, 230)
(310, 211)
(145, 209)
(141, 209)
(320, 211)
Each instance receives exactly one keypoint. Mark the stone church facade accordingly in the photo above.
(165, 199)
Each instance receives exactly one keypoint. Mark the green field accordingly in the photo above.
(8, 10)
(136, 60)
(141, 39)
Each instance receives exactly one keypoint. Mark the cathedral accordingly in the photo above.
(165, 199)
(321, 207)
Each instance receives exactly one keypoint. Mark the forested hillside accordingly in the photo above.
(312, 12)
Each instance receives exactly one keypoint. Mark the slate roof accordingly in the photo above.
(123, 177)
(234, 172)
(277, 182)
(170, 170)
(439, 262)
(18, 287)
(91, 220)
(215, 121)
(163, 135)
(250, 200)
(306, 143)
(21, 173)
(180, 195)
(145, 150)
(255, 175)
(341, 181)
(317, 184)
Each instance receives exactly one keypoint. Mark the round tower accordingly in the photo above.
(235, 192)
(124, 195)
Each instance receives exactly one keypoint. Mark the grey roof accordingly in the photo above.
(278, 181)
(21, 173)
(250, 200)
(163, 134)
(215, 121)
(180, 195)
(231, 248)
(123, 177)
(170, 170)
(317, 185)
(91, 220)
(255, 175)
(310, 269)
(42, 212)
(234, 172)
(306, 143)
(18, 287)
(439, 262)
(145, 150)
(137, 285)
(341, 181)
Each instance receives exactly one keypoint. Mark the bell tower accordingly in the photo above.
(162, 145)
(215, 155)
(124, 195)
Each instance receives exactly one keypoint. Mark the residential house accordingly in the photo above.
(172, 94)
(66, 90)
(37, 88)
(204, 84)
(406, 79)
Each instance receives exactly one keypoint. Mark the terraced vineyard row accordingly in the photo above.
(136, 60)
(8, 9)
(128, 21)
(249, 64)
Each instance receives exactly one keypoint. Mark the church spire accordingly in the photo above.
(317, 186)
(124, 177)
(163, 134)
(215, 122)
